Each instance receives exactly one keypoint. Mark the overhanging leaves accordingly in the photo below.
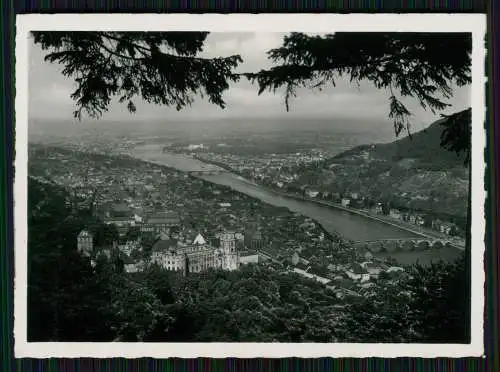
(423, 66)
(456, 135)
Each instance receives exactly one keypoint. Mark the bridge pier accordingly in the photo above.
(403, 245)
(206, 172)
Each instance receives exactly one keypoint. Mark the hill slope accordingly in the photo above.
(423, 147)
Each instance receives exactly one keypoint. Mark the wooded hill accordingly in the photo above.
(424, 147)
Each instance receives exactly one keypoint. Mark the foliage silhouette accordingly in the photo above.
(403, 64)
(159, 67)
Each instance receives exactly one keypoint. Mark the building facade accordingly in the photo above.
(85, 243)
(254, 240)
(346, 202)
(248, 257)
(160, 223)
(228, 251)
(173, 260)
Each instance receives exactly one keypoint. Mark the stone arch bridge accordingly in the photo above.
(406, 245)
(207, 172)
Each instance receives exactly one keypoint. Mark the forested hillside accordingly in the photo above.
(424, 147)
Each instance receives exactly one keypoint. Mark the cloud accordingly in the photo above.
(252, 47)
(247, 96)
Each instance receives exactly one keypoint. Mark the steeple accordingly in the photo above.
(199, 240)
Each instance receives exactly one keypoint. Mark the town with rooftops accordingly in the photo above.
(179, 221)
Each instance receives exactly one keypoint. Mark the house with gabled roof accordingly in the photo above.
(161, 222)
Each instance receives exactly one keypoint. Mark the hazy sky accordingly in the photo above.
(49, 91)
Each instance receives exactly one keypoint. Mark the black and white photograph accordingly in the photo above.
(249, 186)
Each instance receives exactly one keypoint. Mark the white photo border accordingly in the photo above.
(474, 23)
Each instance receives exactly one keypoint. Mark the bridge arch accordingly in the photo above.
(377, 246)
(437, 244)
(408, 246)
(423, 245)
(403, 245)
(392, 246)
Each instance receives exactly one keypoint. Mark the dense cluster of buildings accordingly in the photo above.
(126, 192)
(174, 248)
(259, 166)
(347, 278)
(230, 250)
(182, 223)
(174, 255)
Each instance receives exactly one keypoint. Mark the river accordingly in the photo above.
(349, 225)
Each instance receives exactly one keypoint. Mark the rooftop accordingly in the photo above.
(199, 240)
(117, 218)
(164, 217)
(85, 234)
(120, 207)
(164, 245)
(248, 253)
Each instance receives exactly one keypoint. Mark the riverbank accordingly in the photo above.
(407, 227)
(383, 219)
(365, 214)
(335, 220)
(423, 234)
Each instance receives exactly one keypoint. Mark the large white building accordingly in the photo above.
(197, 256)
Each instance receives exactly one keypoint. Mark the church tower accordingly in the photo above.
(85, 243)
(228, 250)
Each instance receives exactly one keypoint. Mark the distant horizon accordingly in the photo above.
(342, 124)
(157, 120)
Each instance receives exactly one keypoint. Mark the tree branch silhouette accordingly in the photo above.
(159, 67)
(411, 64)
